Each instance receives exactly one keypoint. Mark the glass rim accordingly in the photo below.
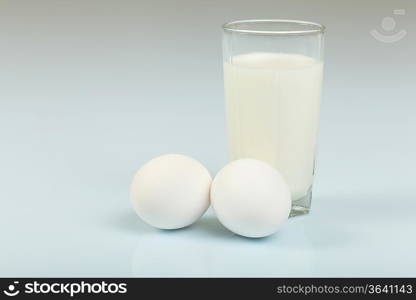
(314, 28)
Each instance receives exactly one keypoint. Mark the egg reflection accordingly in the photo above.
(208, 249)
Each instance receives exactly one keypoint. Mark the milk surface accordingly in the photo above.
(272, 103)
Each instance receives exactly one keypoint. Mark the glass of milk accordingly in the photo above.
(272, 77)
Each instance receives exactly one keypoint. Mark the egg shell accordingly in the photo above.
(250, 198)
(171, 191)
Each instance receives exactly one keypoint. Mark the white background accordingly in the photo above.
(91, 90)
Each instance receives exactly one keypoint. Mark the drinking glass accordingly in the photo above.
(272, 81)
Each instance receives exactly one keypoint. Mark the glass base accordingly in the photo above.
(301, 206)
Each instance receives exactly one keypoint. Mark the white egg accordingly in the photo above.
(171, 191)
(250, 198)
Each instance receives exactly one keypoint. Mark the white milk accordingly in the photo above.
(272, 102)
